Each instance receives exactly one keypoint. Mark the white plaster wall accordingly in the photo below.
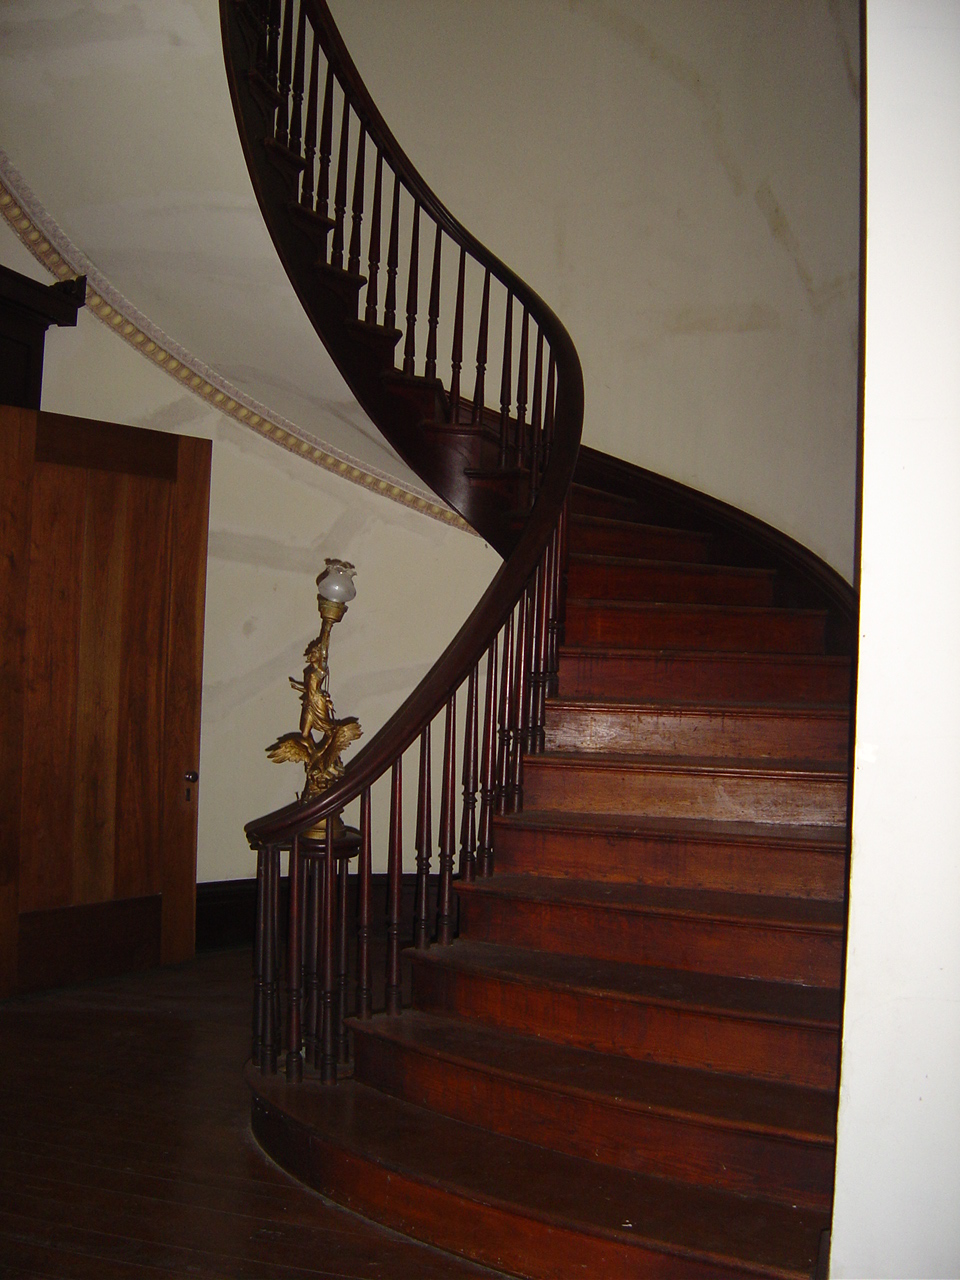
(273, 519)
(679, 179)
(897, 1206)
(118, 116)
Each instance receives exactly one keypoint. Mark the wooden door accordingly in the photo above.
(103, 531)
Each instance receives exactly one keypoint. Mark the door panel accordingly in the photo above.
(107, 715)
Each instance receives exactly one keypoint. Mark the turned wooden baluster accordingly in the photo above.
(299, 63)
(353, 262)
(261, 12)
(445, 903)
(328, 1035)
(468, 817)
(553, 624)
(394, 870)
(265, 1025)
(521, 450)
(326, 149)
(364, 983)
(294, 1060)
(282, 132)
(536, 418)
(476, 417)
(424, 839)
(506, 380)
(413, 280)
(393, 256)
(541, 650)
(312, 874)
(433, 310)
(521, 720)
(548, 411)
(373, 252)
(505, 718)
(343, 1039)
(310, 132)
(273, 44)
(488, 767)
(275, 960)
(456, 354)
(340, 196)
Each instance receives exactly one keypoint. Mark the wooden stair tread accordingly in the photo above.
(818, 836)
(726, 1101)
(707, 706)
(558, 1191)
(761, 1000)
(638, 526)
(704, 904)
(730, 765)
(602, 649)
(713, 610)
(680, 566)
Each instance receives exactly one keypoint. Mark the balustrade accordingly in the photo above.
(326, 135)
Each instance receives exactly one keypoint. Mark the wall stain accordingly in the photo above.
(819, 295)
(707, 96)
(851, 66)
(264, 552)
(754, 317)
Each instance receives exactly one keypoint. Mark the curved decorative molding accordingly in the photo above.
(52, 248)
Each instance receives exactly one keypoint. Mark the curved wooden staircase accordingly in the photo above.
(617, 1052)
(627, 1062)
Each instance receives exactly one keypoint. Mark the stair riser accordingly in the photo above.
(687, 1037)
(687, 627)
(693, 677)
(551, 783)
(638, 540)
(490, 1234)
(813, 957)
(593, 502)
(686, 1148)
(790, 735)
(691, 585)
(670, 862)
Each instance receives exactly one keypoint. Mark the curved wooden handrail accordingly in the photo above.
(460, 656)
(509, 478)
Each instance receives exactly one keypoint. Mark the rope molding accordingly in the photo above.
(49, 244)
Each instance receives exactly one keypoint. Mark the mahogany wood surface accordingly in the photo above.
(631, 578)
(616, 671)
(125, 1146)
(107, 667)
(746, 857)
(782, 732)
(519, 1206)
(670, 1122)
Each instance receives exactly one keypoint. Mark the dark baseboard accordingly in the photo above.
(226, 914)
(227, 909)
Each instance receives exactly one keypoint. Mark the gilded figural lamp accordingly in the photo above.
(322, 737)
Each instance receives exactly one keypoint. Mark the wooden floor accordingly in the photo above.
(125, 1149)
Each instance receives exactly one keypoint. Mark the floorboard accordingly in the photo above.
(125, 1147)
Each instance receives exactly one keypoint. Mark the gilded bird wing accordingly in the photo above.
(290, 749)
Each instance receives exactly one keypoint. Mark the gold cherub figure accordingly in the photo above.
(320, 755)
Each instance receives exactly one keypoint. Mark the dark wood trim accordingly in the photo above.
(75, 944)
(27, 309)
(227, 909)
(17, 428)
(48, 304)
(803, 579)
(106, 446)
(181, 731)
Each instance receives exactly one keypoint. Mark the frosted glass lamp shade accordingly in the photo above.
(336, 582)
